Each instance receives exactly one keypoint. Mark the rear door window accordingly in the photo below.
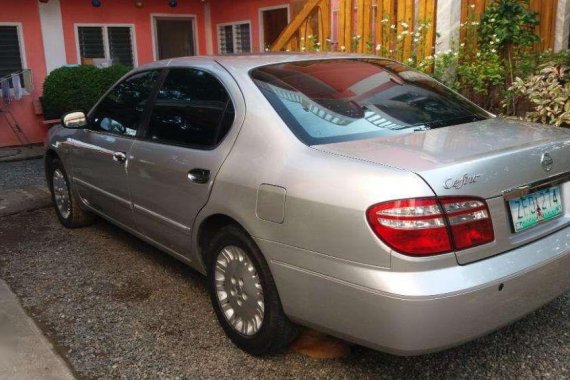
(192, 109)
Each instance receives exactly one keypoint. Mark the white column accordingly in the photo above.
(52, 34)
(448, 20)
(562, 29)
(208, 27)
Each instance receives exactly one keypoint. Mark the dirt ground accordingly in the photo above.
(116, 307)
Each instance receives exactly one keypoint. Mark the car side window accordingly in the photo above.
(192, 109)
(121, 111)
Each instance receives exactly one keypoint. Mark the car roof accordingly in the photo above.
(246, 62)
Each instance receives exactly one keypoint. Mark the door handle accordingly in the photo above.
(119, 157)
(199, 175)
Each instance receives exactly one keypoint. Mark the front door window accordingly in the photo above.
(121, 111)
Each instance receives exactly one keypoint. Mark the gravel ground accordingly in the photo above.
(24, 173)
(116, 307)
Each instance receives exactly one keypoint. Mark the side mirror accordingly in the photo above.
(74, 120)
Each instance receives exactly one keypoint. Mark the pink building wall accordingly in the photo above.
(25, 12)
(125, 12)
(225, 11)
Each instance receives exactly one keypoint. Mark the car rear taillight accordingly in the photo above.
(429, 226)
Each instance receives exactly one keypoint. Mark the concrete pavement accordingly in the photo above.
(25, 353)
(17, 153)
(13, 201)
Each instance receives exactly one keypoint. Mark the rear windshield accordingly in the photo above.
(327, 101)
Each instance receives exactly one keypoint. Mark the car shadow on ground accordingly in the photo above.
(117, 306)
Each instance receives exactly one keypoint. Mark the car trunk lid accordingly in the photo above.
(482, 159)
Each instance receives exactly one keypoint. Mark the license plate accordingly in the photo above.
(535, 208)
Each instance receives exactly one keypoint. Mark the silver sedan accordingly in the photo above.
(350, 194)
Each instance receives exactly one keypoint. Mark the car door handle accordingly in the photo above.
(199, 175)
(120, 157)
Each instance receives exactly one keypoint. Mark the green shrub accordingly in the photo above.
(548, 92)
(77, 88)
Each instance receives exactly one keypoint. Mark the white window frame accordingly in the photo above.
(154, 17)
(20, 30)
(260, 13)
(106, 48)
(234, 23)
(21, 45)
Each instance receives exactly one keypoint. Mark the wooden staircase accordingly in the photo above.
(384, 27)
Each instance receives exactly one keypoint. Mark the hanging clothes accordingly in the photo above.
(5, 88)
(17, 85)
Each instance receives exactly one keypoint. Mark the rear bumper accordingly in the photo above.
(415, 313)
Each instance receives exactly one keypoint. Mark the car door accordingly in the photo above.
(100, 154)
(189, 134)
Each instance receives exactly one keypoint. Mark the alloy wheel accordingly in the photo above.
(239, 291)
(61, 194)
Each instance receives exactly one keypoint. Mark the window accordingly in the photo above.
(329, 101)
(10, 50)
(192, 109)
(234, 38)
(121, 111)
(106, 42)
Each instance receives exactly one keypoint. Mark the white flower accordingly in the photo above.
(391, 50)
(378, 47)
(392, 26)
(399, 37)
(492, 20)
(266, 50)
(472, 6)
(491, 42)
(404, 32)
(416, 40)
(384, 21)
(318, 44)
(317, 50)
(429, 57)
(410, 60)
(310, 36)
(494, 36)
(462, 25)
(302, 38)
(417, 34)
(302, 48)
(493, 51)
(358, 36)
(462, 44)
(404, 24)
(343, 48)
(475, 23)
(455, 54)
(287, 50)
(478, 54)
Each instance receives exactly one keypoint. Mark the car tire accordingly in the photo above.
(66, 202)
(242, 288)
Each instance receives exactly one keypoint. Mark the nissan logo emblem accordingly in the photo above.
(546, 162)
